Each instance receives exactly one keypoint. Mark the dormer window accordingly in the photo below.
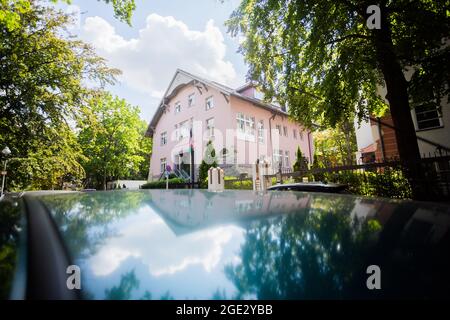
(191, 99)
(177, 107)
(209, 103)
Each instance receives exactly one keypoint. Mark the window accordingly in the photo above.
(164, 138)
(285, 131)
(210, 127)
(163, 165)
(182, 130)
(277, 158)
(191, 99)
(224, 155)
(278, 127)
(209, 103)
(294, 133)
(261, 131)
(428, 116)
(177, 107)
(301, 135)
(286, 159)
(245, 125)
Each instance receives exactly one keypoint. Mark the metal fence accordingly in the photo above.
(429, 178)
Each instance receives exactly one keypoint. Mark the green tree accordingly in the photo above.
(321, 59)
(42, 89)
(112, 139)
(336, 146)
(300, 161)
(209, 160)
(11, 10)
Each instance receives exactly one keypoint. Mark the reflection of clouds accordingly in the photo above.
(148, 238)
(109, 258)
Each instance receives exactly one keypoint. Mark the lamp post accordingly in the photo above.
(5, 152)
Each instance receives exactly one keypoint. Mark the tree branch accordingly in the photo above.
(349, 36)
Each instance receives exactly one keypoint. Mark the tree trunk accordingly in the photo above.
(397, 93)
(397, 96)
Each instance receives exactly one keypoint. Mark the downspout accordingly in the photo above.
(270, 136)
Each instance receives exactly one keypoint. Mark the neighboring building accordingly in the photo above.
(240, 125)
(376, 138)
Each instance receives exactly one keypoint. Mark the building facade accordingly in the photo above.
(376, 137)
(241, 127)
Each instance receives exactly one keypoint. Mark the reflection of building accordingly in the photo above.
(241, 126)
(186, 210)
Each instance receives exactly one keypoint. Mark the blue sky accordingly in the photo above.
(165, 35)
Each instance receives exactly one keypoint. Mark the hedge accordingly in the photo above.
(161, 184)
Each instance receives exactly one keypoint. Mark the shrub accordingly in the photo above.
(161, 184)
(209, 160)
(389, 183)
(239, 185)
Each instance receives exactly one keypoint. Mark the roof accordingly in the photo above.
(196, 79)
(370, 148)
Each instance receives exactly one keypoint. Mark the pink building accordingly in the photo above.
(239, 124)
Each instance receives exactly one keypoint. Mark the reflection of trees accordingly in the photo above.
(9, 242)
(128, 283)
(313, 254)
(84, 219)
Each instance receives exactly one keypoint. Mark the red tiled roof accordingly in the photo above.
(370, 148)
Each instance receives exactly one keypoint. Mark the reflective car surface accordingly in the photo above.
(194, 244)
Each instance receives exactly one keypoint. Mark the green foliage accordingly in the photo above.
(321, 59)
(239, 185)
(336, 146)
(10, 214)
(112, 139)
(301, 162)
(42, 90)
(288, 256)
(389, 183)
(318, 164)
(161, 184)
(209, 160)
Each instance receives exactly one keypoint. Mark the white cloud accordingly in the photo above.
(154, 244)
(149, 61)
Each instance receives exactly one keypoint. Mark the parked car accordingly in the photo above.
(311, 187)
(195, 244)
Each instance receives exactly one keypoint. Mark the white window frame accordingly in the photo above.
(161, 162)
(209, 128)
(177, 107)
(287, 164)
(261, 131)
(163, 140)
(191, 100)
(245, 127)
(209, 106)
(278, 128)
(437, 117)
(277, 158)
